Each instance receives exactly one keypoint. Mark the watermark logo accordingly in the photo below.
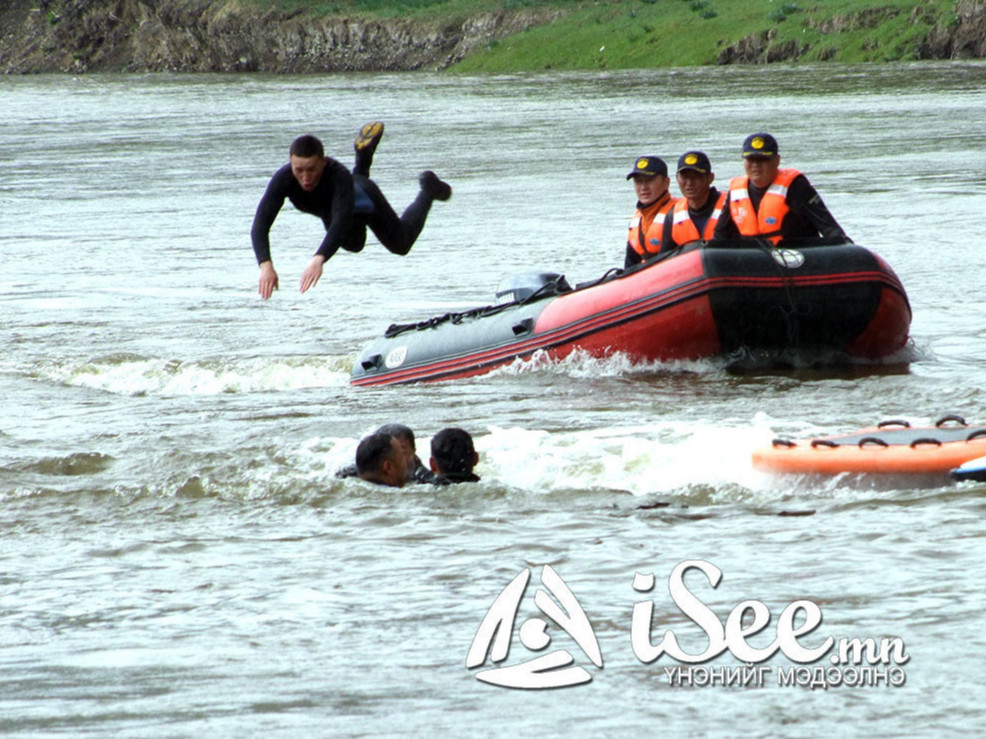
(749, 634)
(551, 670)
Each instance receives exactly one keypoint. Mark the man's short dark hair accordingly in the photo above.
(398, 431)
(453, 451)
(371, 453)
(307, 146)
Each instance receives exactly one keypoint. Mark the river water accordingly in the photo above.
(176, 555)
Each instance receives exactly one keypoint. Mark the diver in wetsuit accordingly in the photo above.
(404, 436)
(453, 457)
(346, 202)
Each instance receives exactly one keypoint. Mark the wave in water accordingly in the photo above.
(126, 374)
(664, 466)
(130, 374)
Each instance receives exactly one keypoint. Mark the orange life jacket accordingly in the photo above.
(683, 228)
(647, 226)
(767, 219)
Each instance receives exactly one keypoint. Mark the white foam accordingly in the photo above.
(145, 376)
(665, 457)
(581, 364)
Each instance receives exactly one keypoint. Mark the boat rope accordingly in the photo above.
(790, 311)
(549, 289)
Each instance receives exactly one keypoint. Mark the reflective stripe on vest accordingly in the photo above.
(647, 226)
(683, 228)
(767, 219)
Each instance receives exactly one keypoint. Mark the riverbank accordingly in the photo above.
(77, 36)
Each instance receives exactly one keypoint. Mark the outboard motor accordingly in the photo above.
(515, 288)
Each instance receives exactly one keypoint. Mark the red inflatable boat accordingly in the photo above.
(833, 303)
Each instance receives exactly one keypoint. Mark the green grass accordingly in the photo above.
(609, 34)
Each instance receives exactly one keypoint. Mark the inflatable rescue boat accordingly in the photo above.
(891, 447)
(834, 302)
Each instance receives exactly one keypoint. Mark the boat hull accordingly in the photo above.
(700, 303)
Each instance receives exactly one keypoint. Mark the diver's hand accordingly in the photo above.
(268, 280)
(312, 273)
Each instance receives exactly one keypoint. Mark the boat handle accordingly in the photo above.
(785, 443)
(976, 434)
(524, 327)
(893, 422)
(867, 440)
(925, 440)
(815, 443)
(950, 418)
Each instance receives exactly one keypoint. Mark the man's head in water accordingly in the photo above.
(380, 459)
(452, 452)
(307, 161)
(405, 440)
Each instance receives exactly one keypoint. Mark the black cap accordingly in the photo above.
(695, 160)
(760, 145)
(649, 166)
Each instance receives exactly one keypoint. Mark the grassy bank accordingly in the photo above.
(662, 33)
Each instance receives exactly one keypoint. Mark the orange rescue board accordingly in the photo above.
(892, 447)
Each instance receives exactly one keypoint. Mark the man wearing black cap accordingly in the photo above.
(650, 182)
(773, 203)
(695, 215)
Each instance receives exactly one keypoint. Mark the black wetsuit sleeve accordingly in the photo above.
(805, 200)
(339, 218)
(267, 210)
(420, 473)
(632, 257)
(725, 228)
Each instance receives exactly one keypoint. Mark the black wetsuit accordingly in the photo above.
(347, 205)
(451, 478)
(807, 215)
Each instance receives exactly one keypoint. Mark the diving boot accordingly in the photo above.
(431, 185)
(365, 144)
(368, 138)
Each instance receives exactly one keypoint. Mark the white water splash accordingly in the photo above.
(581, 364)
(147, 376)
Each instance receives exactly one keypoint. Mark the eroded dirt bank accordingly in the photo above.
(221, 36)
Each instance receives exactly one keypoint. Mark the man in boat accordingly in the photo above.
(347, 202)
(695, 215)
(416, 471)
(379, 460)
(773, 203)
(650, 182)
(453, 457)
